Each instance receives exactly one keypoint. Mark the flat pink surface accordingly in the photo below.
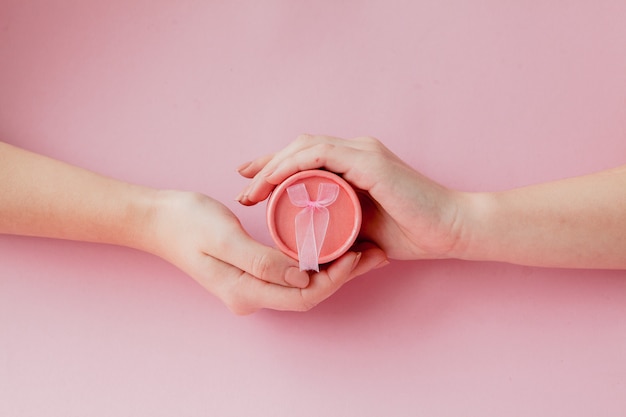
(479, 95)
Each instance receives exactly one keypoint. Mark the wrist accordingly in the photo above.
(475, 213)
(166, 230)
(139, 212)
(154, 212)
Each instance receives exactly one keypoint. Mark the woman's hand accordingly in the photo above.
(205, 239)
(44, 197)
(575, 222)
(406, 214)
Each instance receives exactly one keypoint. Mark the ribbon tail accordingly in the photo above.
(321, 218)
(308, 252)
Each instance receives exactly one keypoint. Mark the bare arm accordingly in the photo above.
(577, 222)
(48, 198)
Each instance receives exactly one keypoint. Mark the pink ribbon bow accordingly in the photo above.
(312, 222)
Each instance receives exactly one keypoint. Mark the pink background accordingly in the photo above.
(481, 95)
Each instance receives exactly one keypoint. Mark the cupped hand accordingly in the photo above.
(206, 240)
(406, 214)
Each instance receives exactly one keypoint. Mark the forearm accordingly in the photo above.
(43, 197)
(575, 223)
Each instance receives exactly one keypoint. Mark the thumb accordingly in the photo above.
(261, 261)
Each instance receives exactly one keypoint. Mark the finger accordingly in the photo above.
(334, 154)
(315, 150)
(336, 158)
(223, 280)
(350, 265)
(245, 294)
(250, 169)
(260, 188)
(302, 142)
(248, 294)
(344, 160)
(372, 258)
(263, 262)
(326, 282)
(241, 292)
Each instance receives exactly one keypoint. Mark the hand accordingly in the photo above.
(205, 239)
(404, 213)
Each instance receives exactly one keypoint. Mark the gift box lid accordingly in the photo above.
(344, 212)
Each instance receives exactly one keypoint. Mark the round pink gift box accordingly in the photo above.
(344, 220)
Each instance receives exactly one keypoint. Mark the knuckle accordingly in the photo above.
(304, 138)
(371, 141)
(261, 265)
(325, 148)
(221, 243)
(227, 237)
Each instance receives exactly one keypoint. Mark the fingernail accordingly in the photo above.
(240, 196)
(243, 166)
(297, 278)
(357, 258)
(244, 193)
(383, 263)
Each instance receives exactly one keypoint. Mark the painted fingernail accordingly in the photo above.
(244, 193)
(243, 166)
(297, 278)
(357, 258)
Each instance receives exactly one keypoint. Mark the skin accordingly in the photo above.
(43, 197)
(575, 223)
